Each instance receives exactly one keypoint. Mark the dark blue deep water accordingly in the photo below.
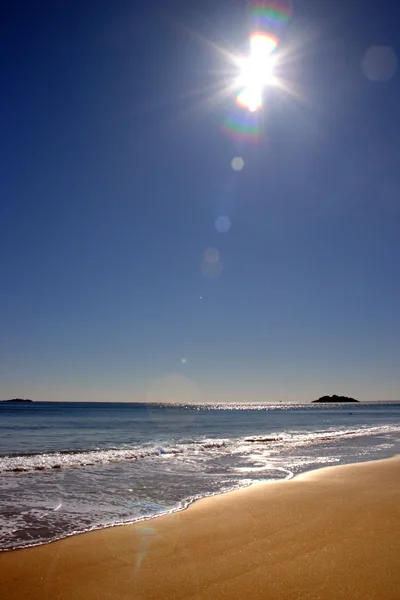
(72, 467)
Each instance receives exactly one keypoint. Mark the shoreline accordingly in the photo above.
(185, 505)
(328, 533)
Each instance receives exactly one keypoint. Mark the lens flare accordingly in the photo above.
(256, 72)
(242, 125)
(269, 16)
(250, 98)
(262, 45)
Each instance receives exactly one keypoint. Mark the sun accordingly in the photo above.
(255, 75)
(256, 71)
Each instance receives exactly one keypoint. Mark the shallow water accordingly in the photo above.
(69, 467)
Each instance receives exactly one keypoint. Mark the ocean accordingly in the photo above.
(67, 468)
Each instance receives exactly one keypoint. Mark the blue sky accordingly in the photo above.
(115, 166)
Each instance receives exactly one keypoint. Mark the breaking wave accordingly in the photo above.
(23, 463)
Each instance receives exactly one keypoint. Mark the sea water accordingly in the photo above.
(66, 468)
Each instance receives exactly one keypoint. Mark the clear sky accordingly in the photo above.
(115, 167)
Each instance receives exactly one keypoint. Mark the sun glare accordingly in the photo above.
(257, 71)
(250, 97)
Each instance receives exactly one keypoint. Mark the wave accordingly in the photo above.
(56, 460)
(20, 463)
(326, 435)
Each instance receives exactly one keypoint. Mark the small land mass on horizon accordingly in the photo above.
(335, 398)
(17, 400)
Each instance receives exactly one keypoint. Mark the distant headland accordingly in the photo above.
(335, 398)
(17, 400)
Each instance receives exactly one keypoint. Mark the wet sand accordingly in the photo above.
(327, 535)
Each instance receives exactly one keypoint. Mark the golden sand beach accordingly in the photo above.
(326, 535)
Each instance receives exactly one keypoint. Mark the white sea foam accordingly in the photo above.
(207, 446)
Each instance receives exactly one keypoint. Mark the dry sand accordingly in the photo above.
(330, 534)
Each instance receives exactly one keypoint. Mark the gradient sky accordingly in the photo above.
(114, 168)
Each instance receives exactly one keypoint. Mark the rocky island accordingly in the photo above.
(17, 400)
(335, 398)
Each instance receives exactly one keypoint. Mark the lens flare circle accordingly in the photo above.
(237, 163)
(222, 224)
(262, 45)
(267, 15)
(242, 125)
